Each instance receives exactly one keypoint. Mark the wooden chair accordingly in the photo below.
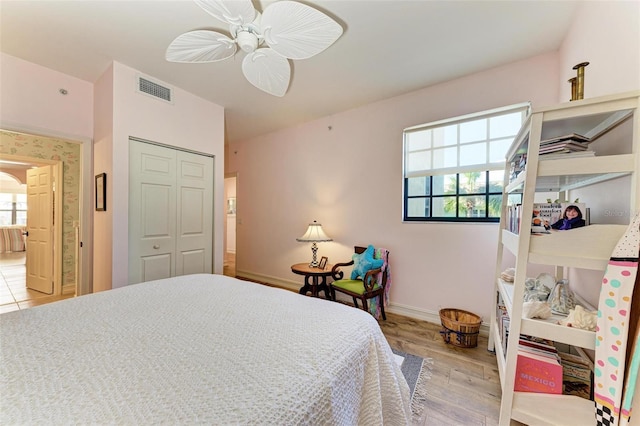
(371, 285)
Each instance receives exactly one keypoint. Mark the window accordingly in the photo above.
(13, 209)
(454, 169)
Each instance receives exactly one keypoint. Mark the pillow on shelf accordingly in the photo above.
(363, 263)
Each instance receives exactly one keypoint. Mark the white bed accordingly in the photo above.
(198, 349)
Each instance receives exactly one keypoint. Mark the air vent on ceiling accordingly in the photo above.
(154, 89)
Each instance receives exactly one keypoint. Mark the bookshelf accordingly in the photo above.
(612, 124)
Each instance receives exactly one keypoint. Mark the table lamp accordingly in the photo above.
(314, 235)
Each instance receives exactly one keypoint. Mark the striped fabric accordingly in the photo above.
(11, 239)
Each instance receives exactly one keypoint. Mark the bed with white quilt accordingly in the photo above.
(204, 349)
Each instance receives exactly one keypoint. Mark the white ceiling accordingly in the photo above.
(389, 47)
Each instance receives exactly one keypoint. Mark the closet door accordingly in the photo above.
(170, 213)
(194, 242)
(152, 212)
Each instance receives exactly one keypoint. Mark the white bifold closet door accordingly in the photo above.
(170, 212)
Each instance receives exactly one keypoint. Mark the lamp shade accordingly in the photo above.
(314, 234)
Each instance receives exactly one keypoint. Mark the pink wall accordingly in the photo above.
(30, 97)
(30, 101)
(102, 163)
(345, 171)
(189, 122)
(607, 35)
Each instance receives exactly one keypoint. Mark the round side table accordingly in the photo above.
(315, 279)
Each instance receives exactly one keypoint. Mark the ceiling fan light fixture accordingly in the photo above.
(285, 30)
(247, 41)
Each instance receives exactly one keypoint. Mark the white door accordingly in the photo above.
(194, 243)
(40, 222)
(170, 213)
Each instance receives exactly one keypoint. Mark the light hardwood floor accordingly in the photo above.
(464, 388)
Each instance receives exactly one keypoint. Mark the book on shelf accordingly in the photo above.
(569, 137)
(537, 371)
(513, 218)
(566, 144)
(537, 346)
(577, 376)
(563, 147)
(502, 319)
(545, 215)
(504, 332)
(584, 210)
(566, 155)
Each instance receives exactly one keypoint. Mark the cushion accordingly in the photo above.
(363, 263)
(354, 286)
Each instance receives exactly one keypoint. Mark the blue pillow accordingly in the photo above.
(363, 263)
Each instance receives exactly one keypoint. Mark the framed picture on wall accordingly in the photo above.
(101, 192)
(231, 205)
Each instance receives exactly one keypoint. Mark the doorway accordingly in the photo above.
(230, 223)
(29, 272)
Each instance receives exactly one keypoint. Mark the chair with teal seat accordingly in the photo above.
(368, 278)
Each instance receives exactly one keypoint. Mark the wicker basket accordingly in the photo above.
(463, 324)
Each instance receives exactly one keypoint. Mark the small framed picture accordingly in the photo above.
(101, 192)
(231, 206)
(323, 262)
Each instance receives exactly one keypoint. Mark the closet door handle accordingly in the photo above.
(156, 246)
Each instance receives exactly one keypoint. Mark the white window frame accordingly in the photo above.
(431, 164)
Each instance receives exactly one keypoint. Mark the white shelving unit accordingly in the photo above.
(589, 247)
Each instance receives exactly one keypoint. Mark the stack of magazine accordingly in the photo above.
(571, 145)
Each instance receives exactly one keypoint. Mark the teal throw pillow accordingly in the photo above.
(363, 263)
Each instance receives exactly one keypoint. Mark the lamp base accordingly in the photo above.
(314, 249)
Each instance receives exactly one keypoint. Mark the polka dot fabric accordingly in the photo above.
(613, 325)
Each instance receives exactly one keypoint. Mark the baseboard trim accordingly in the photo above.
(267, 279)
(394, 308)
(68, 289)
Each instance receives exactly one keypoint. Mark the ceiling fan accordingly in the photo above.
(285, 30)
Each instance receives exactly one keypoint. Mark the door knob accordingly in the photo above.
(156, 246)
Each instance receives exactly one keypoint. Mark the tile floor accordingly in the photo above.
(14, 293)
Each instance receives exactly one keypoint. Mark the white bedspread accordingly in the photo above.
(198, 349)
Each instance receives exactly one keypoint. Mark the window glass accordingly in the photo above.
(498, 149)
(475, 153)
(445, 157)
(443, 184)
(21, 218)
(445, 136)
(418, 186)
(418, 207)
(472, 182)
(419, 140)
(473, 131)
(444, 206)
(454, 169)
(419, 161)
(505, 125)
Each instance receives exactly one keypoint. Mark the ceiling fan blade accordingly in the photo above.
(237, 12)
(297, 31)
(200, 46)
(268, 71)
